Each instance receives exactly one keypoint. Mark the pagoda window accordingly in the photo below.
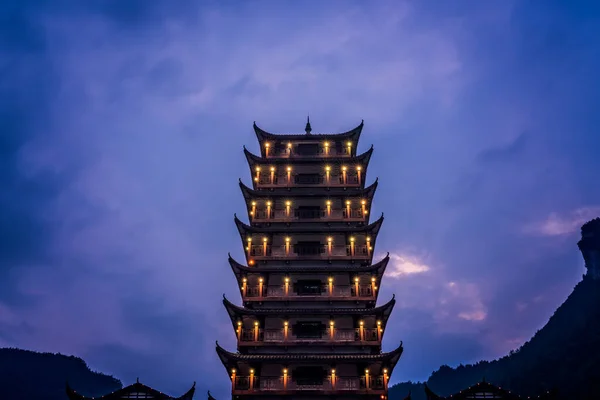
(308, 248)
(309, 376)
(308, 212)
(309, 329)
(281, 148)
(308, 149)
(311, 287)
(308, 179)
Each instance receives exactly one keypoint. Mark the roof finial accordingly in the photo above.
(137, 380)
(308, 128)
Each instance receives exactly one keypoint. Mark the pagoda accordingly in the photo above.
(309, 324)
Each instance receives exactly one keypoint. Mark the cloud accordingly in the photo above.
(430, 289)
(401, 265)
(561, 224)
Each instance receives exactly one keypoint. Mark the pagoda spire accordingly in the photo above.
(308, 129)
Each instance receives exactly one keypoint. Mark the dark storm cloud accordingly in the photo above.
(28, 82)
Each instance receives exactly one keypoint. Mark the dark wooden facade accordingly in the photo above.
(309, 324)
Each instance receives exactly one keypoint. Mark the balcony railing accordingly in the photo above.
(299, 180)
(279, 383)
(279, 291)
(293, 152)
(324, 252)
(308, 215)
(277, 336)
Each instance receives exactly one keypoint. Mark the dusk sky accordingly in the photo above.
(121, 132)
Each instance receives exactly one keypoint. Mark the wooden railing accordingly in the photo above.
(288, 383)
(265, 181)
(324, 252)
(308, 215)
(292, 152)
(336, 291)
(249, 336)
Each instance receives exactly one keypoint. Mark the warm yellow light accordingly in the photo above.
(233, 371)
(253, 203)
(255, 179)
(356, 279)
(373, 279)
(257, 169)
(349, 143)
(333, 371)
(378, 322)
(288, 203)
(352, 239)
(252, 371)
(251, 262)
(249, 239)
(344, 168)
(267, 144)
(330, 239)
(327, 168)
(289, 145)
(363, 202)
(265, 240)
(289, 169)
(326, 144)
(285, 323)
(368, 238)
(359, 168)
(385, 370)
(239, 323)
(255, 323)
(272, 169)
(347, 202)
(287, 280)
(244, 280)
(328, 202)
(251, 212)
(367, 371)
(260, 280)
(331, 322)
(287, 239)
(285, 370)
(330, 279)
(269, 203)
(361, 323)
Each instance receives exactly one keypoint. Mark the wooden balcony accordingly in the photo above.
(267, 182)
(280, 385)
(345, 215)
(295, 152)
(320, 252)
(322, 293)
(276, 337)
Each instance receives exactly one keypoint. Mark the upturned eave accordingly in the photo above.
(352, 134)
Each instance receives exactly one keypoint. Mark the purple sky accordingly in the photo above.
(121, 133)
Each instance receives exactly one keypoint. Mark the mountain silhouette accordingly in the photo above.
(563, 355)
(28, 375)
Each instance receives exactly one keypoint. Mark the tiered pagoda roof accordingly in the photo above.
(353, 134)
(316, 191)
(485, 390)
(135, 391)
(390, 358)
(254, 160)
(379, 268)
(246, 230)
(235, 312)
